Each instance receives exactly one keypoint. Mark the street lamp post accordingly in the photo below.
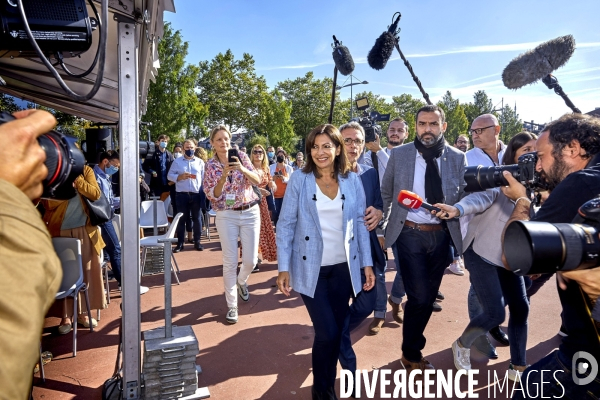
(351, 97)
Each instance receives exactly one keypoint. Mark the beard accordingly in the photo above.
(555, 175)
(395, 142)
(428, 139)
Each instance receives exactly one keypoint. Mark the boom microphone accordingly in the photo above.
(342, 58)
(535, 64)
(384, 46)
(414, 201)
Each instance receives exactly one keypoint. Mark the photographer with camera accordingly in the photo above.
(568, 151)
(31, 271)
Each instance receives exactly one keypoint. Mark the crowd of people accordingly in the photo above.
(340, 195)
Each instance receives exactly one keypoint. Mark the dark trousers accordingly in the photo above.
(112, 249)
(423, 257)
(189, 204)
(173, 195)
(328, 310)
(278, 204)
(496, 288)
(362, 306)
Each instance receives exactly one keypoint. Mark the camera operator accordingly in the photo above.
(31, 271)
(569, 162)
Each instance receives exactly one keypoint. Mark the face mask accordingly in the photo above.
(279, 159)
(270, 154)
(189, 153)
(163, 145)
(177, 155)
(111, 170)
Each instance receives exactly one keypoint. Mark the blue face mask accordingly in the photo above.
(163, 145)
(111, 170)
(270, 154)
(189, 153)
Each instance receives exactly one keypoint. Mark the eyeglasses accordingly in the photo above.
(462, 142)
(479, 131)
(257, 152)
(357, 142)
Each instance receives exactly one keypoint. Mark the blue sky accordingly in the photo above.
(461, 46)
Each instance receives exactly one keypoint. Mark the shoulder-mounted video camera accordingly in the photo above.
(369, 120)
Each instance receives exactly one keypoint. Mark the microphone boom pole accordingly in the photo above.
(335, 73)
(415, 78)
(552, 83)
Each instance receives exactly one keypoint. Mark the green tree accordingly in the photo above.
(510, 122)
(66, 123)
(311, 99)
(8, 104)
(406, 107)
(255, 139)
(481, 104)
(232, 91)
(173, 107)
(455, 117)
(274, 121)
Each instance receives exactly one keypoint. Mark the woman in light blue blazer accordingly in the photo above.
(322, 244)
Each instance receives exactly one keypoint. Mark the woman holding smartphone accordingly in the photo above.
(228, 185)
(323, 209)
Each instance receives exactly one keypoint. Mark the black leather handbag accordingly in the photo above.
(99, 210)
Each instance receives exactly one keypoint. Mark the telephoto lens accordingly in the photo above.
(63, 159)
(532, 247)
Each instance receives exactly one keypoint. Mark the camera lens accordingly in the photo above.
(64, 162)
(480, 178)
(532, 247)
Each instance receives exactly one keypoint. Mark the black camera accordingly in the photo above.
(63, 159)
(369, 120)
(479, 178)
(532, 247)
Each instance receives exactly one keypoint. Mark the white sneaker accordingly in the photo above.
(243, 291)
(455, 268)
(513, 374)
(462, 356)
(232, 315)
(143, 289)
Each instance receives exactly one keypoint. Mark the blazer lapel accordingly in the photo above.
(407, 167)
(310, 188)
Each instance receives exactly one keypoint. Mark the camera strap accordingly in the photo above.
(375, 162)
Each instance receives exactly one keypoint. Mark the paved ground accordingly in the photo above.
(267, 354)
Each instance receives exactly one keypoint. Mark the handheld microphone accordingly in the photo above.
(539, 63)
(414, 201)
(342, 58)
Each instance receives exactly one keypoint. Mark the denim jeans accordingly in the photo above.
(278, 204)
(189, 204)
(361, 308)
(112, 249)
(423, 258)
(495, 288)
(328, 309)
(232, 224)
(535, 385)
(398, 291)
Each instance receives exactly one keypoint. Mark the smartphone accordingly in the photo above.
(232, 153)
(193, 176)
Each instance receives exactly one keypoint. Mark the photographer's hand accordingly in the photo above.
(22, 163)
(374, 146)
(588, 279)
(515, 189)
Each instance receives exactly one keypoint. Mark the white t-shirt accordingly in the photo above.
(332, 220)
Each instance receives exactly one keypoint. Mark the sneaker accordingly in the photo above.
(456, 269)
(232, 315)
(462, 356)
(563, 331)
(243, 291)
(256, 269)
(143, 289)
(375, 326)
(514, 374)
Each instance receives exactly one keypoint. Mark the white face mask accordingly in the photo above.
(177, 155)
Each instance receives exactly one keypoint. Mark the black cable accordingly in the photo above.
(54, 72)
(91, 68)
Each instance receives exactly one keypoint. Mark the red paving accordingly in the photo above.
(266, 355)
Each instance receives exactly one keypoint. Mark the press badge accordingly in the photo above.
(230, 199)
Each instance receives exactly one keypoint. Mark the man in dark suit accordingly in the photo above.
(158, 167)
(363, 305)
(435, 171)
